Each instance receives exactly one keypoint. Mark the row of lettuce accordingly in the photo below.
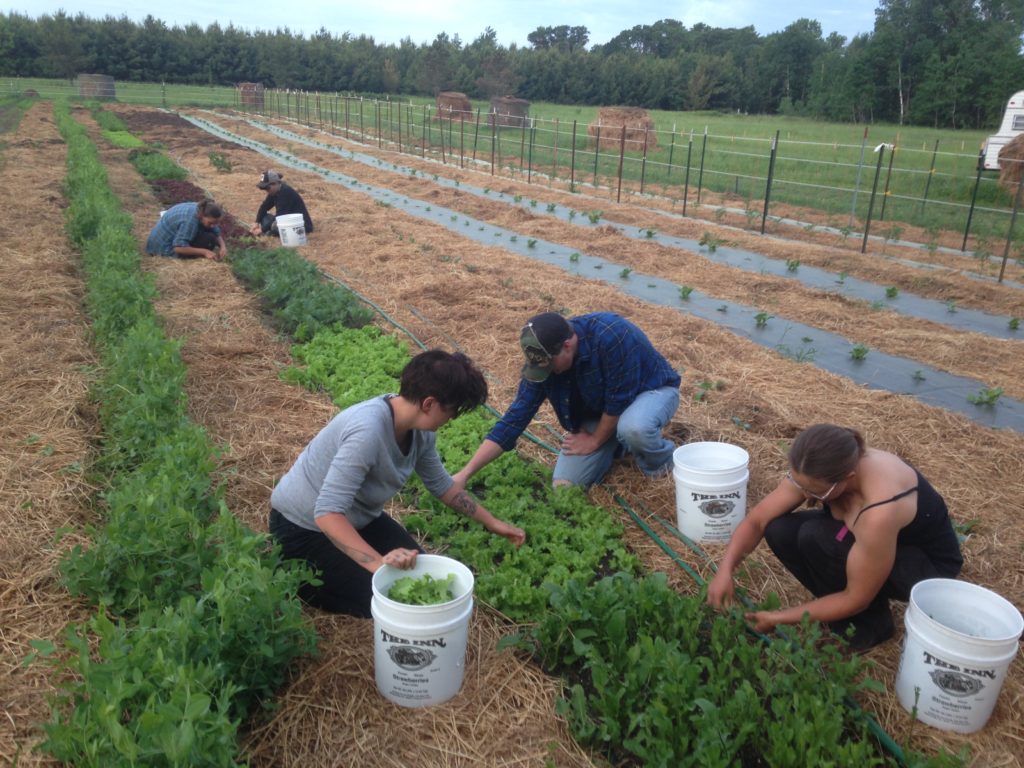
(652, 677)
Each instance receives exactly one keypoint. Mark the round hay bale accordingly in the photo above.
(605, 132)
(452, 105)
(1011, 164)
(508, 111)
(96, 87)
(250, 95)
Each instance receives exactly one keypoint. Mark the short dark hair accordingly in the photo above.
(826, 452)
(450, 377)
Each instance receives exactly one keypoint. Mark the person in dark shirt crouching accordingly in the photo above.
(282, 199)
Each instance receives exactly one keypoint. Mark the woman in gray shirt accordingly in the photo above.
(329, 508)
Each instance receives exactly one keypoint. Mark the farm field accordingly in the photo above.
(451, 290)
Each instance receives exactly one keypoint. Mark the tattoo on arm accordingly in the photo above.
(465, 504)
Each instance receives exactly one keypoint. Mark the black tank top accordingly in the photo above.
(931, 529)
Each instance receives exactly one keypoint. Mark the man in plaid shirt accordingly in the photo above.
(609, 387)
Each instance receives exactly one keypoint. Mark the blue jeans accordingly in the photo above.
(638, 432)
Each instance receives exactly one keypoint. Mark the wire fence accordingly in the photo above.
(934, 196)
(885, 192)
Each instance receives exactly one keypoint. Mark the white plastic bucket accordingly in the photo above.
(292, 229)
(711, 489)
(960, 641)
(420, 650)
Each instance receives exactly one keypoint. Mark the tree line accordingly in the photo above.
(942, 63)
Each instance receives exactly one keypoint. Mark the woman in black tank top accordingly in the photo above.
(853, 563)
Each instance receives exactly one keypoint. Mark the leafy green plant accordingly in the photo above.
(859, 352)
(423, 590)
(841, 278)
(891, 292)
(155, 165)
(1014, 323)
(531, 243)
(649, 233)
(986, 397)
(574, 257)
(594, 216)
(792, 265)
(761, 319)
(624, 272)
(551, 207)
(685, 291)
(221, 162)
(710, 241)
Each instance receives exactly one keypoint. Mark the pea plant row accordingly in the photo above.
(196, 616)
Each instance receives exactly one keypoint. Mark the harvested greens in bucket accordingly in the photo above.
(425, 590)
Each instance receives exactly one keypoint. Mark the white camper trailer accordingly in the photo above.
(1011, 127)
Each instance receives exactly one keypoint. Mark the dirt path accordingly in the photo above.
(47, 427)
(444, 287)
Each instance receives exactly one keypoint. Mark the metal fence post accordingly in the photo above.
(476, 133)
(572, 160)
(554, 164)
(643, 164)
(931, 173)
(622, 158)
(686, 180)
(871, 204)
(1009, 231)
(671, 150)
(529, 166)
(700, 175)
(768, 184)
(494, 141)
(888, 178)
(974, 197)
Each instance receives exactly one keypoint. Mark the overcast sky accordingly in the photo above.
(389, 21)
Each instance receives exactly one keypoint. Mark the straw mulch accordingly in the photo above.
(449, 291)
(47, 428)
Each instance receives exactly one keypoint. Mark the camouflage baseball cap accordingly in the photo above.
(541, 339)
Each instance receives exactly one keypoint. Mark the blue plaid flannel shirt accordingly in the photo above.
(177, 227)
(614, 364)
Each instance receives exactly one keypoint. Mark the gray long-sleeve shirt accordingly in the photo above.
(354, 466)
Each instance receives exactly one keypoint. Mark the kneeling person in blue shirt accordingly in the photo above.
(611, 390)
(189, 231)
